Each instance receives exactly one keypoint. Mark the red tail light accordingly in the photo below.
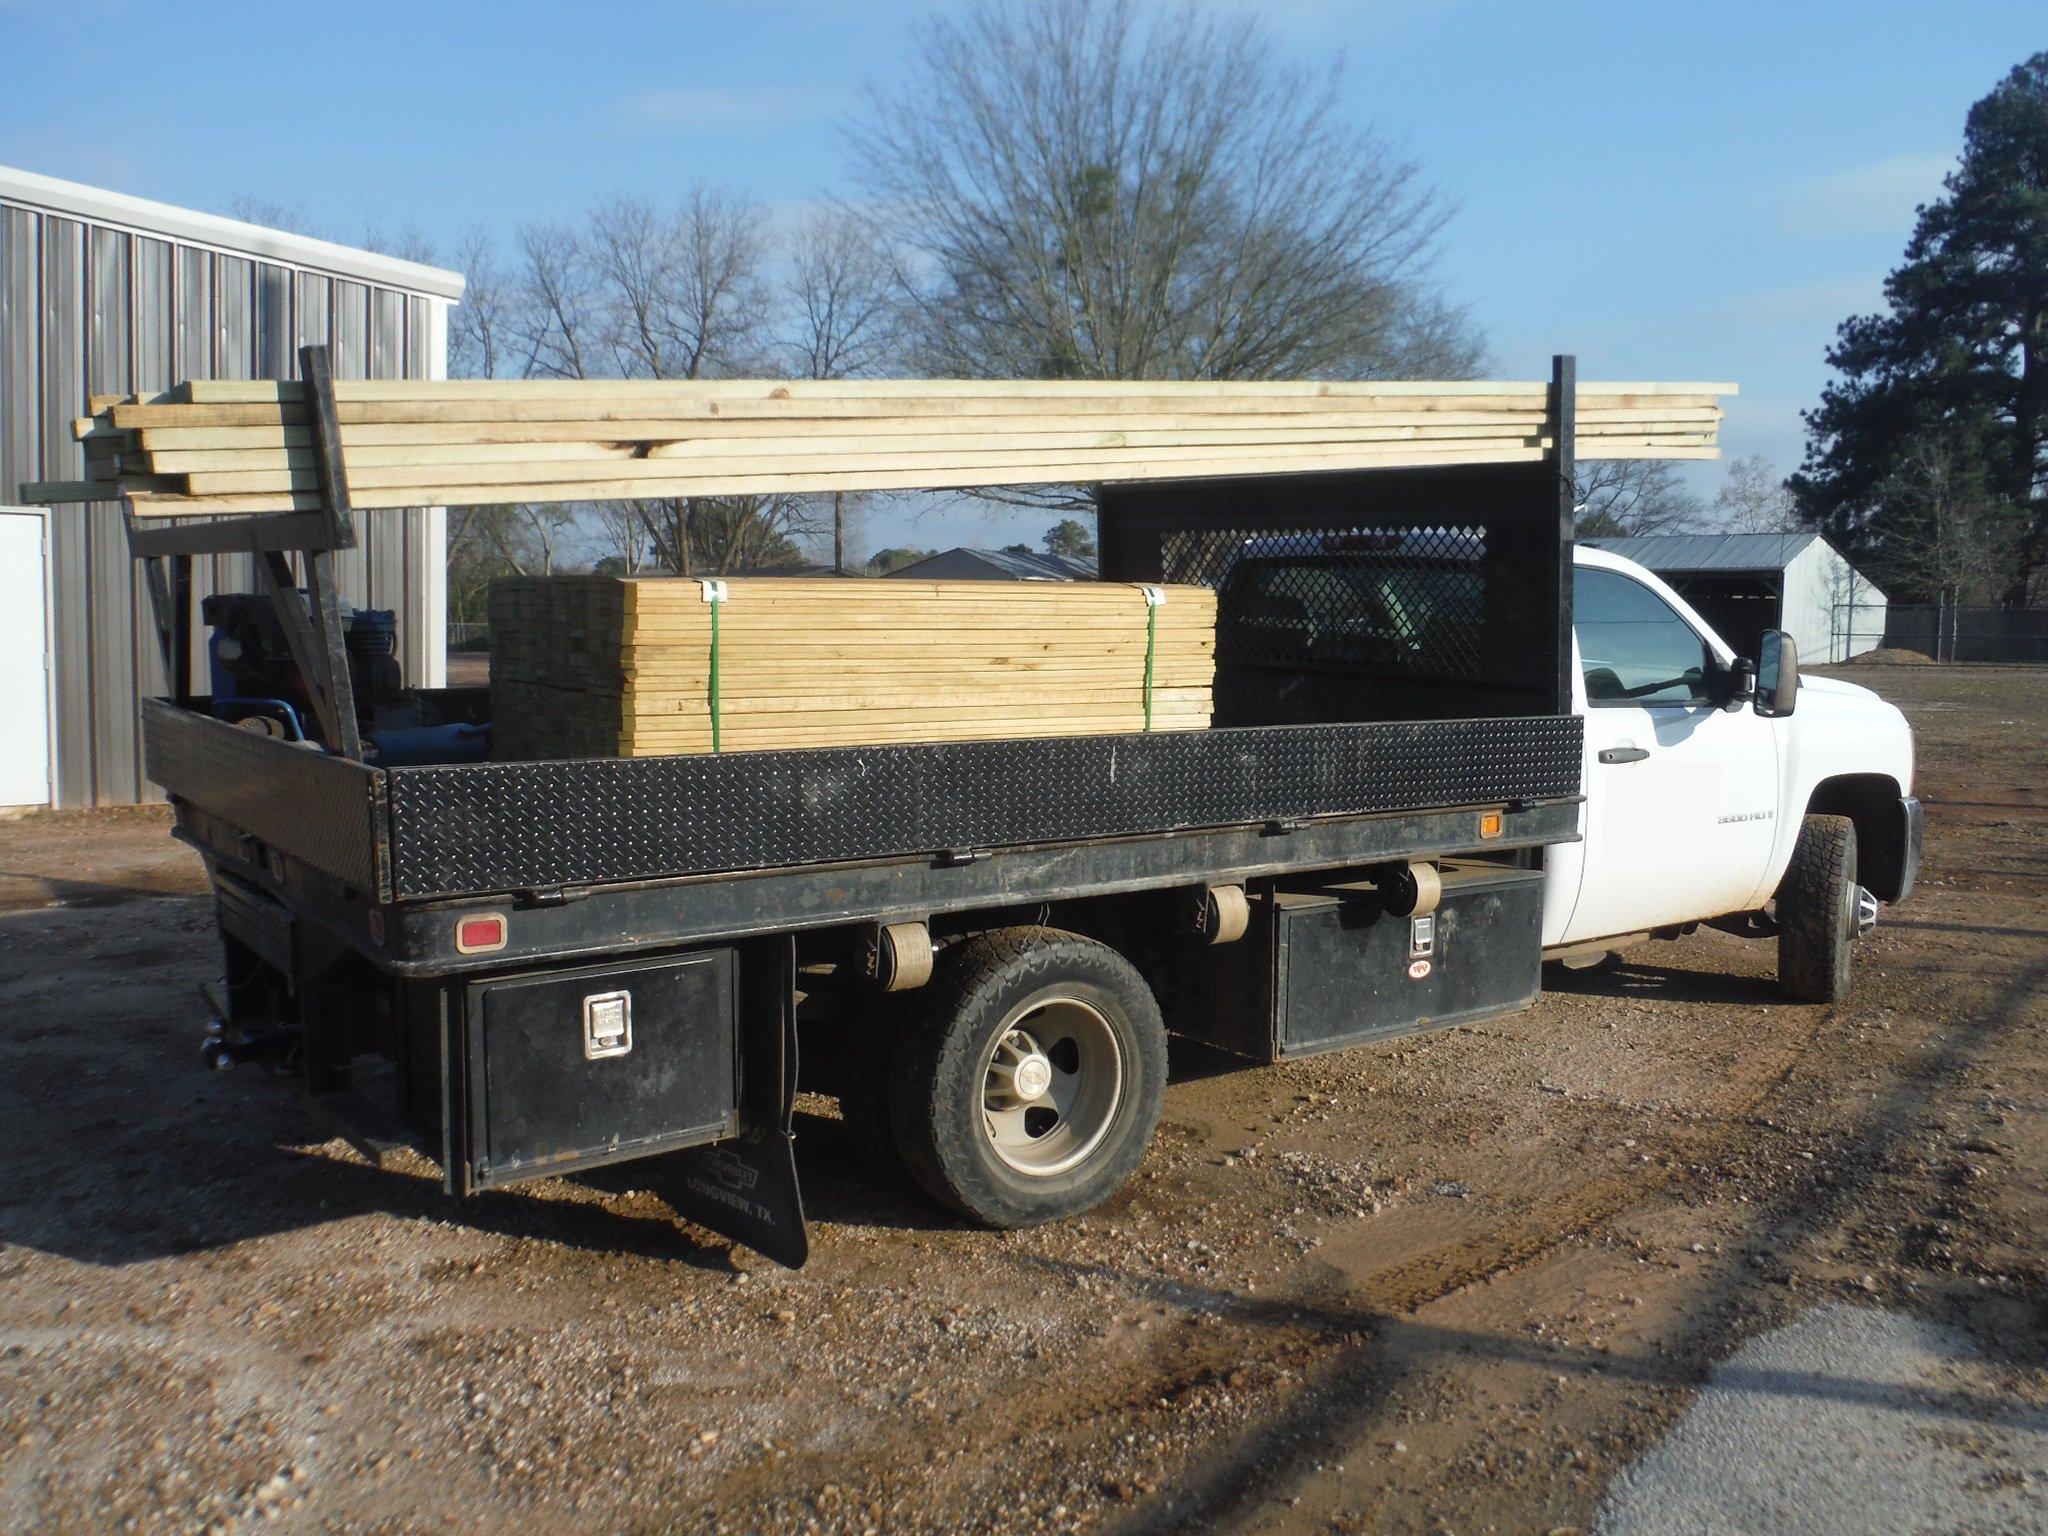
(480, 933)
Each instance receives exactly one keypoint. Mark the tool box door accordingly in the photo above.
(1350, 972)
(572, 1069)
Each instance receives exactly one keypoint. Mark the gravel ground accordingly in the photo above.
(1455, 1283)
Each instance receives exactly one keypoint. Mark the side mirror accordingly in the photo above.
(1777, 675)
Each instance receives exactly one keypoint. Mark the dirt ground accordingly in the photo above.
(1456, 1283)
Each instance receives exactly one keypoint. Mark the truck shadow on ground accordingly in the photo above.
(1638, 975)
(33, 890)
(275, 1178)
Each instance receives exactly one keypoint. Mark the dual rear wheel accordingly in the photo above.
(1022, 1084)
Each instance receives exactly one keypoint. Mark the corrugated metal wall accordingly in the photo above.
(87, 309)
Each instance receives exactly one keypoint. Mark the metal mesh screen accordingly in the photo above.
(1384, 602)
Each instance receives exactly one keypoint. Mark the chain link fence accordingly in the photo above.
(1945, 632)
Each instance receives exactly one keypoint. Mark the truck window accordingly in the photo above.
(1633, 645)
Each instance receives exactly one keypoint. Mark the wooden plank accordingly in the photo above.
(900, 468)
(274, 437)
(762, 484)
(259, 391)
(589, 408)
(240, 446)
(606, 480)
(281, 461)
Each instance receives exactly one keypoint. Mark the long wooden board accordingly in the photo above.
(225, 447)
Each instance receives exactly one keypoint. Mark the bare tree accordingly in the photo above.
(294, 218)
(618, 537)
(482, 340)
(841, 293)
(843, 319)
(682, 292)
(1099, 189)
(639, 291)
(1945, 532)
(1755, 499)
(1633, 496)
(408, 242)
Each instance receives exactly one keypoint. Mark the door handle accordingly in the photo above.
(1623, 754)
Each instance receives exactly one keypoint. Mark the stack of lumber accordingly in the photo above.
(243, 446)
(585, 666)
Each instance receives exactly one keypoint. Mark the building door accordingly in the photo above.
(24, 658)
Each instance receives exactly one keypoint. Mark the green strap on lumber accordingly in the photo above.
(715, 595)
(1155, 597)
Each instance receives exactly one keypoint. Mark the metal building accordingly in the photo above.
(996, 565)
(1746, 583)
(102, 293)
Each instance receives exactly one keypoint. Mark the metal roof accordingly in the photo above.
(1710, 551)
(46, 194)
(1019, 566)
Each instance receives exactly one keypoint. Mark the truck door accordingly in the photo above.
(1681, 795)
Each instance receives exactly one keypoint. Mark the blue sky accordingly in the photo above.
(1670, 191)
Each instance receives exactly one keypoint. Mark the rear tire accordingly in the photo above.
(1817, 911)
(1028, 1079)
(862, 1081)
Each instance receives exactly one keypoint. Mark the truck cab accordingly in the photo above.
(1704, 771)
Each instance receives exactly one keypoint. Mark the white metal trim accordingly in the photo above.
(433, 601)
(47, 194)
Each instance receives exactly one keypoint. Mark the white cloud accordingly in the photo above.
(715, 108)
(1877, 198)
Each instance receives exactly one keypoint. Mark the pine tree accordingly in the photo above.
(1959, 360)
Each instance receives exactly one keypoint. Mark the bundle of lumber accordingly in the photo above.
(586, 666)
(244, 446)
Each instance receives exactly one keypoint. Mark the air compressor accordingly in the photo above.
(257, 685)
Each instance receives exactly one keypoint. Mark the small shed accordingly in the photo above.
(1746, 583)
(102, 293)
(997, 565)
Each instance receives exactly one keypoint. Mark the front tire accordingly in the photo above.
(1028, 1081)
(1817, 911)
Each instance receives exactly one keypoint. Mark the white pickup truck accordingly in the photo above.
(1714, 785)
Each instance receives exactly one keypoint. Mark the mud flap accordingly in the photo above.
(746, 1188)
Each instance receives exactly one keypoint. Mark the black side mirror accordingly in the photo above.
(1777, 675)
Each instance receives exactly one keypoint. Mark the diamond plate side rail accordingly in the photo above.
(510, 826)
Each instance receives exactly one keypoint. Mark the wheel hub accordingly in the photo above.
(1032, 1076)
(1052, 1085)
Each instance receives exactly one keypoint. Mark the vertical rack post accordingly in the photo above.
(311, 619)
(1564, 418)
(323, 423)
(169, 579)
